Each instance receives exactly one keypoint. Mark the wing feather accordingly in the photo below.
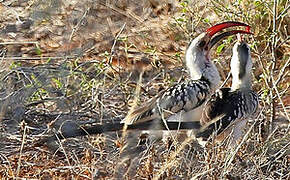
(181, 97)
(226, 108)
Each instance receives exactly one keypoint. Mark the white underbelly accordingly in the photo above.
(182, 116)
(193, 115)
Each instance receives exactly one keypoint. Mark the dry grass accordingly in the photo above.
(66, 64)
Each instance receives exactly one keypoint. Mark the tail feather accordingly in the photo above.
(111, 127)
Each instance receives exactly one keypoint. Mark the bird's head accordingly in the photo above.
(241, 64)
(198, 52)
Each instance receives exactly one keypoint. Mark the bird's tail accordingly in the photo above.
(111, 127)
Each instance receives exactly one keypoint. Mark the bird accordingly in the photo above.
(184, 102)
(227, 111)
(180, 106)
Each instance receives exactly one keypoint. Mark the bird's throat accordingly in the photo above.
(241, 83)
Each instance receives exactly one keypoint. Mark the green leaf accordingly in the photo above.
(48, 60)
(15, 65)
(57, 82)
(38, 51)
(180, 19)
(206, 20)
(230, 38)
(220, 48)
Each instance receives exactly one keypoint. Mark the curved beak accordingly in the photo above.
(219, 27)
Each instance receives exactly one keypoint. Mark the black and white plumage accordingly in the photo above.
(181, 103)
(228, 110)
(175, 103)
(184, 102)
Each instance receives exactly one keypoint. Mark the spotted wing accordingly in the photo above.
(181, 97)
(225, 108)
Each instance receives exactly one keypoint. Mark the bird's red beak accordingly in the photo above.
(219, 27)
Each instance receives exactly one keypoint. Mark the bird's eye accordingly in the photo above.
(202, 44)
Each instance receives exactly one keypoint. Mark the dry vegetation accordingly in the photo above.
(66, 64)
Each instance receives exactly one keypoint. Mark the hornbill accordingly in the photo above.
(228, 110)
(184, 101)
(176, 107)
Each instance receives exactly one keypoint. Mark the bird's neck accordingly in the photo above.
(244, 83)
(200, 67)
(212, 75)
(209, 72)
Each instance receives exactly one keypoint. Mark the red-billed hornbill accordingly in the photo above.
(228, 110)
(182, 102)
